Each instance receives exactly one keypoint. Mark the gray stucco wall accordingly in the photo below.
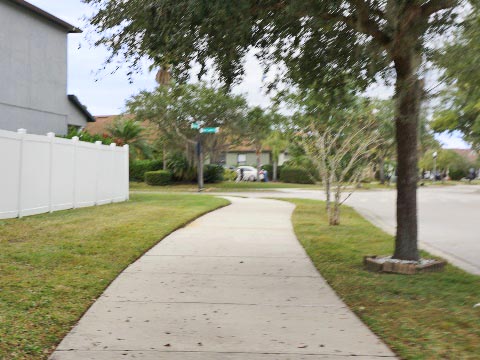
(33, 72)
(75, 116)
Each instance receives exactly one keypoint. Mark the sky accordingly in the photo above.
(105, 93)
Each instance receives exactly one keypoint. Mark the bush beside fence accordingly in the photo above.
(138, 168)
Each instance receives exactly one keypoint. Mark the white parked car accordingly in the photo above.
(249, 173)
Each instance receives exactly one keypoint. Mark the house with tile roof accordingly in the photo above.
(33, 71)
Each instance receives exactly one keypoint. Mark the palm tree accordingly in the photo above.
(132, 133)
(277, 142)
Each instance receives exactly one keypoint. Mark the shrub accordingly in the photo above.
(160, 177)
(87, 137)
(296, 176)
(138, 168)
(229, 175)
(269, 168)
(303, 162)
(180, 167)
(213, 173)
(457, 174)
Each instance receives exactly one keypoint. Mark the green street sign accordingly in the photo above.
(210, 130)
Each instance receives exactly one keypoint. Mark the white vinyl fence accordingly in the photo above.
(40, 174)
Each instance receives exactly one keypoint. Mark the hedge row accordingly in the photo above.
(213, 173)
(296, 176)
(138, 168)
(158, 178)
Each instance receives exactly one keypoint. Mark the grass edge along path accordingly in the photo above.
(427, 316)
(230, 186)
(54, 266)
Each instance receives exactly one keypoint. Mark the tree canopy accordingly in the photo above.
(175, 108)
(460, 101)
(322, 44)
(315, 39)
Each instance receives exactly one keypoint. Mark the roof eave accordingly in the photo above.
(57, 21)
(74, 100)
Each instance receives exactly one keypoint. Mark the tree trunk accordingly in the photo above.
(381, 169)
(408, 99)
(327, 194)
(275, 170)
(335, 216)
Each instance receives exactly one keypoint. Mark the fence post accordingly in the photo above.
(112, 161)
(51, 137)
(127, 172)
(75, 140)
(21, 134)
(98, 144)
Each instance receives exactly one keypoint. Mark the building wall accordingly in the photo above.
(251, 158)
(75, 116)
(33, 69)
(282, 158)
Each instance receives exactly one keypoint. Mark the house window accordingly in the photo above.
(242, 159)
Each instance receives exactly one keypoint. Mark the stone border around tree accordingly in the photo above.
(374, 264)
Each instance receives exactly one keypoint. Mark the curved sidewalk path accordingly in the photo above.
(233, 285)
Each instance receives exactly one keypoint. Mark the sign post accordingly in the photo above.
(207, 130)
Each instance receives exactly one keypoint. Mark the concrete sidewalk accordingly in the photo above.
(235, 284)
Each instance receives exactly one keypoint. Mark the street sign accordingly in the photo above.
(209, 130)
(195, 125)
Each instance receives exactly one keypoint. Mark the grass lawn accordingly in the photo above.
(450, 182)
(54, 266)
(429, 316)
(223, 186)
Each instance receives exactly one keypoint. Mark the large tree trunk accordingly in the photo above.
(275, 170)
(408, 100)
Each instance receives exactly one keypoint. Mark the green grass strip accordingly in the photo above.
(428, 316)
(54, 266)
(222, 186)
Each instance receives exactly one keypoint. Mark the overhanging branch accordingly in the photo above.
(362, 21)
(434, 6)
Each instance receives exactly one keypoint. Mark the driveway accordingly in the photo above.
(449, 217)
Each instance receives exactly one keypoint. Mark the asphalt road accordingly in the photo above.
(449, 218)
